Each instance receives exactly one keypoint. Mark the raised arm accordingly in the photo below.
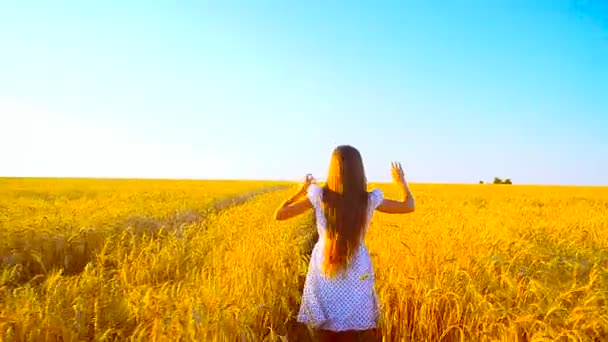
(296, 204)
(406, 204)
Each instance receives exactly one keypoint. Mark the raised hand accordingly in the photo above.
(307, 181)
(397, 173)
(407, 203)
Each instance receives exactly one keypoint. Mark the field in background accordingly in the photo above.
(50, 223)
(488, 262)
(153, 261)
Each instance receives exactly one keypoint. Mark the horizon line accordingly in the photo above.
(281, 180)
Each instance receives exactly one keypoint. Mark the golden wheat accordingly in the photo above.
(489, 263)
(474, 262)
(56, 223)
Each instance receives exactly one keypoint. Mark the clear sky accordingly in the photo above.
(458, 91)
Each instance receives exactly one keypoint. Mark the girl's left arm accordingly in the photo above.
(296, 204)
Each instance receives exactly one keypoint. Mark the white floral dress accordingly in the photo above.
(345, 302)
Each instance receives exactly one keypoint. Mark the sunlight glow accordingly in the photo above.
(36, 142)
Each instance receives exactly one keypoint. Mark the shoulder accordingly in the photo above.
(314, 192)
(376, 197)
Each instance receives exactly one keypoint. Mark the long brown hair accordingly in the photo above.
(345, 201)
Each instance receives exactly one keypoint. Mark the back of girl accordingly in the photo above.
(339, 297)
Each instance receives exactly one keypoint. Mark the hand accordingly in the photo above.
(397, 173)
(307, 181)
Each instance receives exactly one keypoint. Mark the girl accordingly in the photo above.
(339, 298)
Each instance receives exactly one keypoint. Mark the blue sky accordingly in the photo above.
(458, 91)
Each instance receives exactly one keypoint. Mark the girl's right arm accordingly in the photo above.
(407, 204)
(296, 204)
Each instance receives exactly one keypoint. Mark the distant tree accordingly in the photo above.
(480, 182)
(500, 181)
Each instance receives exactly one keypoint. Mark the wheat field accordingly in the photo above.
(139, 260)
